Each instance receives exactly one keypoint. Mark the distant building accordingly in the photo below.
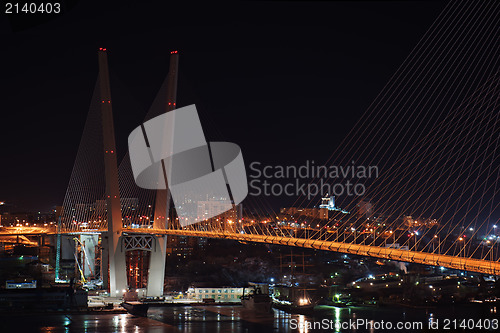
(409, 221)
(322, 212)
(224, 294)
(365, 208)
(181, 246)
(211, 207)
(314, 213)
(100, 206)
(20, 284)
(13, 219)
(328, 202)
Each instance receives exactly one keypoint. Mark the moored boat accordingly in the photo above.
(292, 299)
(138, 309)
(256, 300)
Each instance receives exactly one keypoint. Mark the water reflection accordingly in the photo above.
(337, 319)
(234, 319)
(302, 324)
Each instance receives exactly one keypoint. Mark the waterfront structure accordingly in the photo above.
(219, 294)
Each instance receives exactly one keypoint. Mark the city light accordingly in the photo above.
(303, 301)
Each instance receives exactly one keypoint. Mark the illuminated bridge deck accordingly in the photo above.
(425, 258)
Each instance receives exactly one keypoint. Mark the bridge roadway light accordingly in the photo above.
(463, 247)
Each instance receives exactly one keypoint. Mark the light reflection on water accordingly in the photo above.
(226, 319)
(235, 319)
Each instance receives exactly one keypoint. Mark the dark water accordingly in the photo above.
(229, 319)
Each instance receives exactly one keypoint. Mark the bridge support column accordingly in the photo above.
(41, 241)
(113, 266)
(156, 276)
(117, 266)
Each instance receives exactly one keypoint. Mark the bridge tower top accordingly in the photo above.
(162, 202)
(109, 146)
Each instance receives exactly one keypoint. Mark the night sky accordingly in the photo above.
(286, 81)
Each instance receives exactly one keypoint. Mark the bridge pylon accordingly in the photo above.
(116, 254)
(158, 256)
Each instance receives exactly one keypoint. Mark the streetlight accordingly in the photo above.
(463, 247)
(439, 244)
(496, 241)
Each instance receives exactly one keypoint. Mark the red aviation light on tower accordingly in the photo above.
(174, 52)
(102, 49)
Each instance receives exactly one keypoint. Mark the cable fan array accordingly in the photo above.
(432, 132)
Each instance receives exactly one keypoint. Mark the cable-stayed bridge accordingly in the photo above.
(433, 132)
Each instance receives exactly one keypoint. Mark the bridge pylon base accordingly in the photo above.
(156, 276)
(116, 264)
